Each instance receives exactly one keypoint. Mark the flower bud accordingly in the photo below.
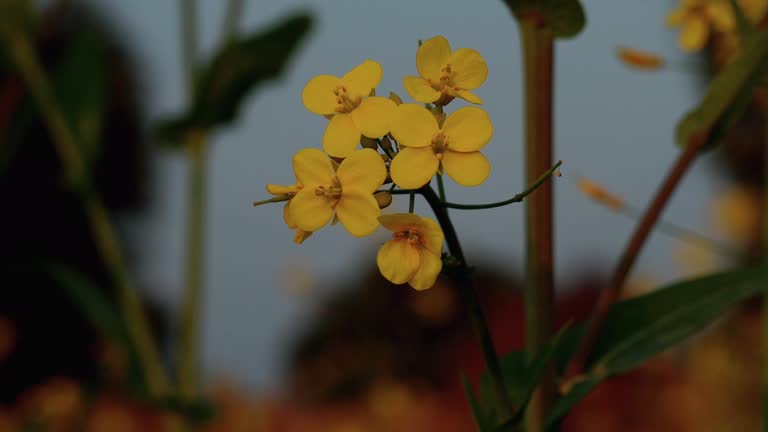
(383, 198)
(596, 192)
(637, 59)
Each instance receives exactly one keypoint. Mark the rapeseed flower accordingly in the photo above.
(700, 18)
(413, 254)
(445, 75)
(454, 147)
(352, 110)
(346, 192)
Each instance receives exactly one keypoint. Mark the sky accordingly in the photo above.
(612, 124)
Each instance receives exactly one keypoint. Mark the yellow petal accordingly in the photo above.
(312, 168)
(466, 169)
(694, 34)
(433, 234)
(300, 236)
(318, 94)
(363, 171)
(469, 96)
(363, 78)
(282, 190)
(468, 129)
(399, 222)
(398, 261)
(429, 268)
(310, 212)
(358, 212)
(420, 90)
(412, 168)
(341, 136)
(287, 216)
(431, 56)
(721, 16)
(675, 18)
(469, 68)
(414, 126)
(374, 116)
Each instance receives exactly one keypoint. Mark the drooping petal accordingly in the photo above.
(429, 268)
(432, 234)
(694, 34)
(721, 16)
(358, 212)
(281, 189)
(431, 56)
(412, 168)
(287, 216)
(468, 129)
(300, 236)
(469, 68)
(420, 89)
(399, 222)
(414, 126)
(318, 94)
(310, 212)
(469, 96)
(363, 78)
(362, 171)
(398, 261)
(312, 168)
(374, 116)
(466, 169)
(341, 136)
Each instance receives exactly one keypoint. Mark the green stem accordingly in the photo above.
(411, 201)
(515, 199)
(99, 222)
(764, 376)
(468, 291)
(229, 27)
(188, 12)
(538, 59)
(440, 187)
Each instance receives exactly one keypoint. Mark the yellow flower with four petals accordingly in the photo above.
(413, 254)
(427, 147)
(354, 112)
(347, 192)
(289, 190)
(444, 74)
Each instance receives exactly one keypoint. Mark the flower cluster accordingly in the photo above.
(404, 145)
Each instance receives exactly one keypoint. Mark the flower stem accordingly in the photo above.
(440, 187)
(538, 59)
(101, 226)
(515, 199)
(411, 201)
(468, 291)
(764, 315)
(612, 292)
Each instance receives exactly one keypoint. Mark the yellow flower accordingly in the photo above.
(354, 112)
(413, 254)
(698, 19)
(427, 146)
(348, 192)
(638, 59)
(445, 75)
(290, 190)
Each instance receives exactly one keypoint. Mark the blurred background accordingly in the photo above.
(309, 337)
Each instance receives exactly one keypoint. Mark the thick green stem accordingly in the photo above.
(538, 58)
(191, 307)
(468, 291)
(103, 231)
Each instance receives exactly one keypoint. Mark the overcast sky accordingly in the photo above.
(613, 125)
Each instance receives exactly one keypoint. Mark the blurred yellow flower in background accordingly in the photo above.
(413, 254)
(348, 192)
(428, 147)
(698, 19)
(736, 213)
(354, 111)
(445, 75)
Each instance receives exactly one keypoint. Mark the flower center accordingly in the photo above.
(345, 102)
(446, 75)
(413, 237)
(332, 192)
(439, 144)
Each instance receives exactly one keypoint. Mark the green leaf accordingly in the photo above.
(565, 18)
(236, 70)
(728, 95)
(638, 329)
(484, 418)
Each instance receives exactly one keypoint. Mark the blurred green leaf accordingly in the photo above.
(728, 95)
(638, 329)
(237, 69)
(484, 418)
(565, 18)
